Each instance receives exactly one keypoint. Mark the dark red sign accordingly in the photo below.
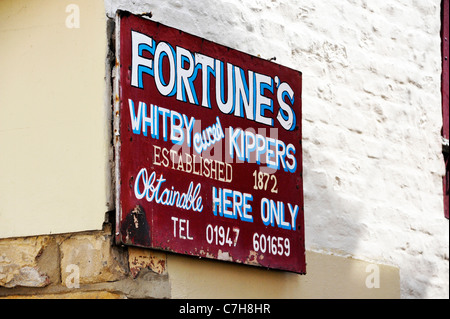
(209, 149)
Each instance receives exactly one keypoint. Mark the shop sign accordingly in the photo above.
(208, 149)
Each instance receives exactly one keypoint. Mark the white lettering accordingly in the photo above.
(153, 191)
(241, 93)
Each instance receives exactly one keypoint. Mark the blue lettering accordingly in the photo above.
(232, 204)
(228, 106)
(273, 214)
(240, 92)
(244, 96)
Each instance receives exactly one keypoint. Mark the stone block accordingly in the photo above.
(72, 295)
(20, 264)
(91, 258)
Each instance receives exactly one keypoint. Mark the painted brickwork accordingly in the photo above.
(371, 118)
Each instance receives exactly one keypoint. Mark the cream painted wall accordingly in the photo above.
(54, 118)
(327, 276)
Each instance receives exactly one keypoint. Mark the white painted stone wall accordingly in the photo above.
(371, 118)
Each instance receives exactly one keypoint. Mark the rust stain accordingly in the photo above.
(140, 259)
(135, 228)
